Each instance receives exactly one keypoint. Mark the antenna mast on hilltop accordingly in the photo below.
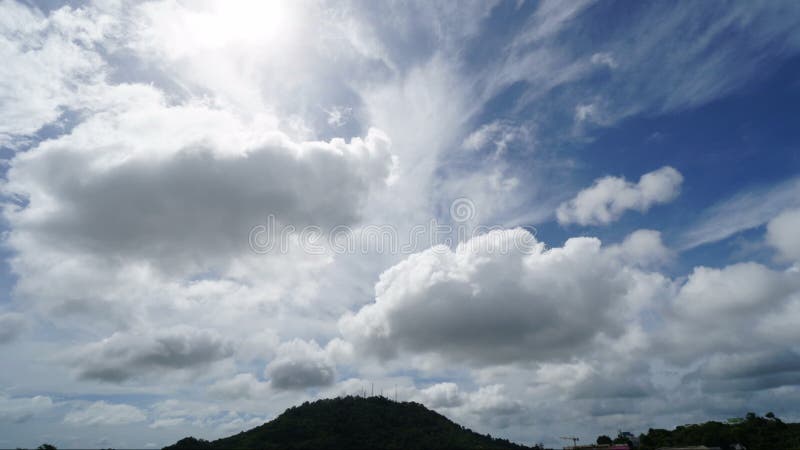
(573, 439)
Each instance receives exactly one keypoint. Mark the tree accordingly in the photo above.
(46, 447)
(621, 439)
(604, 440)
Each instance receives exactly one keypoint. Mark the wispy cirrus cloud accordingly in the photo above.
(744, 210)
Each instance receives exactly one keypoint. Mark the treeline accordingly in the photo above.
(752, 432)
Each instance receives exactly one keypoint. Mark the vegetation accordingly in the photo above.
(604, 440)
(753, 432)
(354, 423)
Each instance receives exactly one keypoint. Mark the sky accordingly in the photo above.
(540, 219)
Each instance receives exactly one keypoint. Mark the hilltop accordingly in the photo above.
(354, 423)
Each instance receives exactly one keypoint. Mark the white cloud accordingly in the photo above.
(500, 134)
(441, 395)
(212, 419)
(668, 86)
(102, 413)
(622, 380)
(489, 405)
(181, 185)
(745, 296)
(609, 197)
(11, 326)
(744, 210)
(168, 423)
(299, 365)
(584, 112)
(750, 371)
(338, 115)
(242, 386)
(740, 288)
(493, 401)
(550, 18)
(139, 218)
(478, 304)
(590, 113)
(783, 233)
(21, 409)
(126, 355)
(133, 219)
(643, 248)
(172, 411)
(652, 78)
(605, 59)
(42, 59)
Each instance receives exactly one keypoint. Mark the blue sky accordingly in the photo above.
(638, 163)
(739, 143)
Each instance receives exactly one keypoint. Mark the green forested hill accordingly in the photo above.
(354, 423)
(379, 423)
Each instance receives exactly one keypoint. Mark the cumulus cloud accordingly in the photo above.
(178, 185)
(493, 401)
(441, 395)
(739, 288)
(140, 215)
(745, 296)
(21, 409)
(490, 404)
(126, 355)
(241, 386)
(617, 381)
(643, 248)
(299, 365)
(476, 305)
(11, 325)
(750, 371)
(102, 413)
(782, 233)
(609, 197)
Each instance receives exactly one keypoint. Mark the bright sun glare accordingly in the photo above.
(242, 21)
